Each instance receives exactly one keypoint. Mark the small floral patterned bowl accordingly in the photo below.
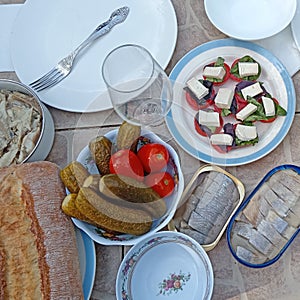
(167, 265)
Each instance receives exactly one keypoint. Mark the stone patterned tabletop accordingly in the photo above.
(232, 280)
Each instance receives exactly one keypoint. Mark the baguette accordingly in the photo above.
(38, 251)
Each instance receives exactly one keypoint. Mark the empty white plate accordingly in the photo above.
(252, 19)
(46, 31)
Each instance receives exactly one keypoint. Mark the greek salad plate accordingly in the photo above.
(166, 265)
(62, 25)
(251, 20)
(275, 79)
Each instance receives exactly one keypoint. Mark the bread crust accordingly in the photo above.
(38, 250)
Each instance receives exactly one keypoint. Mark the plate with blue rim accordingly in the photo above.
(87, 260)
(275, 78)
(182, 269)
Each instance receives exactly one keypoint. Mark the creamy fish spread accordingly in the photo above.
(20, 126)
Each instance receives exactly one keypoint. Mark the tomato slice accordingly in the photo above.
(195, 105)
(247, 78)
(202, 132)
(153, 156)
(162, 183)
(270, 119)
(223, 149)
(226, 76)
(240, 102)
(232, 76)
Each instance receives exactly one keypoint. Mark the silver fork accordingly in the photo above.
(64, 66)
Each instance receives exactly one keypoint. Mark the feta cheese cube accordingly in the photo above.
(197, 88)
(221, 139)
(269, 106)
(248, 68)
(246, 111)
(224, 97)
(209, 118)
(245, 133)
(252, 90)
(214, 72)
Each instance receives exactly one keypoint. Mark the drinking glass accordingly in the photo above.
(139, 89)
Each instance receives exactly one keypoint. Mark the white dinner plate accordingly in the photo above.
(250, 20)
(167, 264)
(87, 260)
(275, 78)
(295, 25)
(46, 31)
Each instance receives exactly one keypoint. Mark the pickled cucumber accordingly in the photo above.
(133, 191)
(128, 135)
(73, 176)
(101, 148)
(69, 208)
(110, 216)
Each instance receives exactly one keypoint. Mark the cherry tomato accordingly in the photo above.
(226, 76)
(162, 183)
(154, 157)
(125, 162)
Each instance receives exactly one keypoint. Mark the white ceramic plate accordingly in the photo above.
(87, 259)
(85, 158)
(167, 264)
(46, 31)
(250, 20)
(275, 78)
(295, 25)
(284, 47)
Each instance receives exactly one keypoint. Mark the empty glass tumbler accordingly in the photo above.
(139, 89)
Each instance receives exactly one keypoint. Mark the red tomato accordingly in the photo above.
(226, 76)
(154, 157)
(125, 162)
(239, 79)
(270, 119)
(162, 183)
(193, 103)
(232, 76)
(203, 133)
(240, 101)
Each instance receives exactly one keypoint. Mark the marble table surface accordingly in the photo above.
(231, 279)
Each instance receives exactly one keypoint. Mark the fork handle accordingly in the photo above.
(102, 29)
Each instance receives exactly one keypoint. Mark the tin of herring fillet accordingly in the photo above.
(207, 204)
(268, 221)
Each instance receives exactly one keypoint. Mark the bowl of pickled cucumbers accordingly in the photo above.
(124, 186)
